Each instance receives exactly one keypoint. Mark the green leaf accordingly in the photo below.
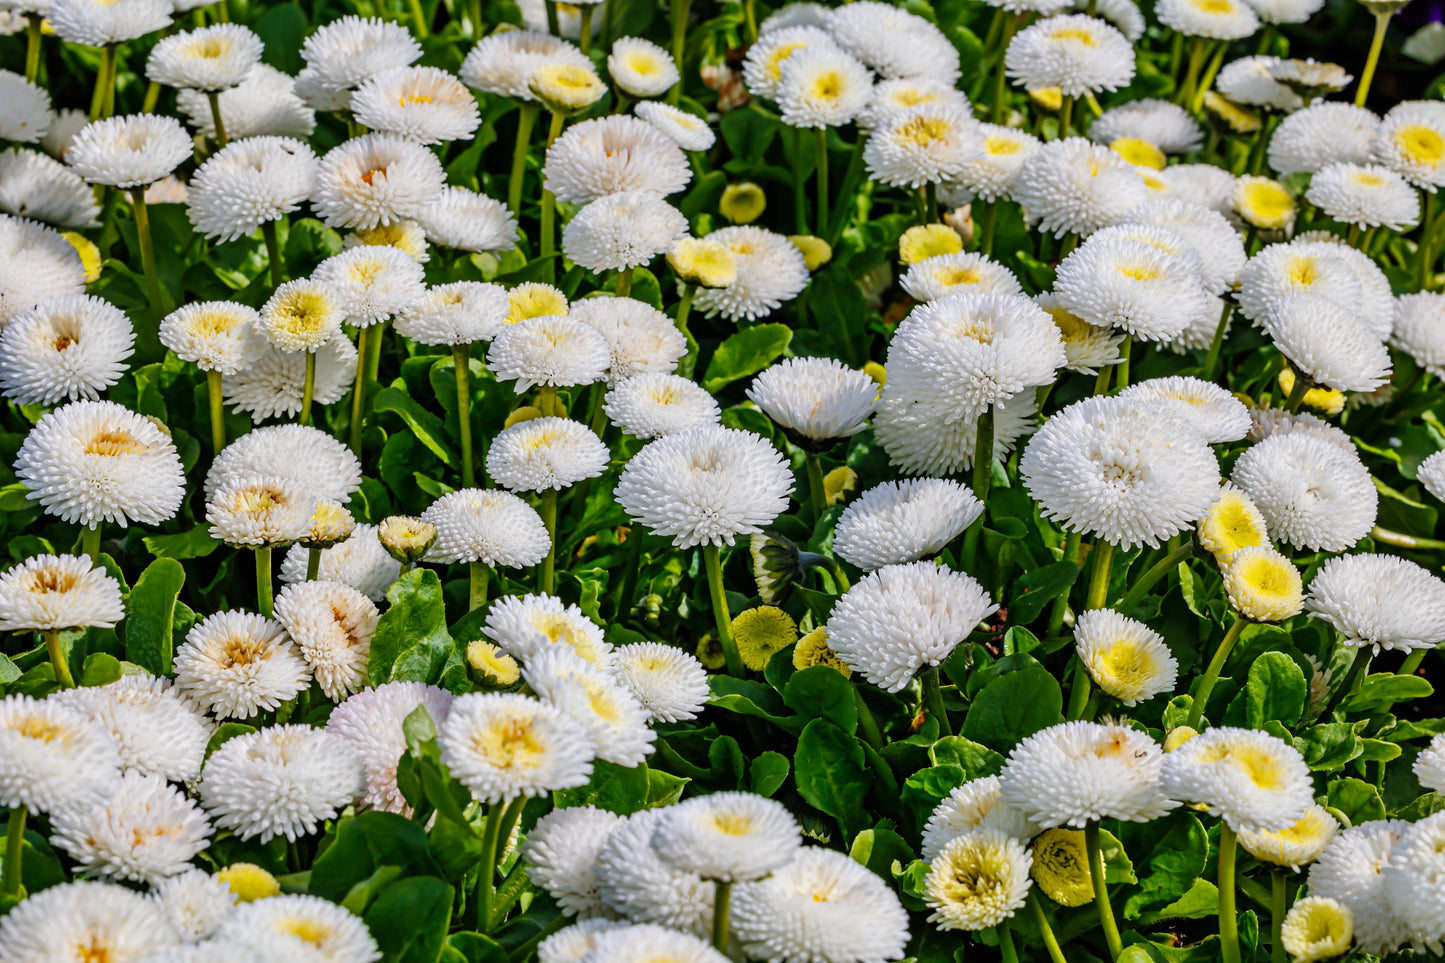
(196, 543)
(1013, 706)
(1181, 848)
(1357, 799)
(767, 773)
(476, 948)
(663, 788)
(99, 669)
(879, 849)
(1383, 689)
(150, 613)
(746, 353)
(1371, 750)
(615, 788)
(1276, 690)
(927, 787)
(1328, 746)
(282, 28)
(975, 760)
(225, 732)
(1034, 590)
(410, 919)
(430, 430)
(829, 771)
(821, 692)
(411, 642)
(365, 843)
(1201, 900)
(9, 671)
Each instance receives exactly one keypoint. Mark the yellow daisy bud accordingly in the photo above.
(1178, 736)
(566, 88)
(1061, 867)
(533, 300)
(1262, 584)
(1296, 846)
(928, 240)
(1264, 203)
(1231, 524)
(1317, 928)
(697, 260)
(492, 664)
(406, 538)
(1238, 119)
(761, 633)
(519, 415)
(404, 235)
(710, 652)
(816, 251)
(1328, 400)
(812, 649)
(839, 483)
(249, 882)
(1139, 152)
(877, 372)
(743, 203)
(89, 254)
(330, 523)
(1049, 98)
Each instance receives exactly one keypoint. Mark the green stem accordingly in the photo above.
(1122, 368)
(867, 724)
(308, 389)
(104, 85)
(1158, 570)
(585, 37)
(1423, 250)
(313, 564)
(520, 954)
(547, 577)
(1098, 596)
(624, 277)
(933, 700)
(274, 262)
(627, 588)
(679, 41)
(1051, 942)
(1011, 23)
(549, 200)
(1277, 910)
(358, 389)
(721, 616)
(721, 900)
(1357, 669)
(477, 574)
(461, 360)
(218, 411)
(554, 25)
(1066, 116)
(844, 199)
(986, 225)
(1080, 691)
(1367, 76)
(817, 491)
(1211, 674)
(147, 251)
(1211, 361)
(1210, 72)
(526, 120)
(32, 70)
(57, 659)
(1297, 393)
(214, 96)
(263, 580)
(800, 207)
(983, 455)
(1185, 95)
(1061, 604)
(1006, 943)
(10, 884)
(1101, 891)
(1401, 540)
(1228, 914)
(750, 20)
(1266, 39)
(821, 214)
(90, 541)
(487, 870)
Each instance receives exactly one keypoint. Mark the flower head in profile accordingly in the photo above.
(35, 186)
(129, 152)
(959, 273)
(371, 284)
(1411, 142)
(928, 144)
(652, 404)
(545, 453)
(1253, 780)
(1382, 601)
(524, 625)
(299, 927)
(1412, 881)
(456, 313)
(904, 521)
(1078, 54)
(1125, 658)
(146, 831)
(265, 104)
(104, 921)
(1215, 413)
(895, 42)
(768, 269)
(1295, 846)
(214, 335)
(1075, 187)
(1079, 772)
(640, 68)
(332, 624)
(688, 131)
(1317, 928)
(53, 757)
(623, 230)
(249, 183)
(979, 880)
(260, 510)
(972, 806)
(561, 854)
(549, 350)
(611, 155)
(670, 683)
(815, 400)
(728, 836)
(493, 527)
(1365, 195)
(426, 105)
(1215, 19)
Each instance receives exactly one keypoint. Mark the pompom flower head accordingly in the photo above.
(65, 348)
(1253, 780)
(1078, 54)
(1075, 187)
(899, 522)
(1312, 493)
(1125, 658)
(979, 880)
(376, 179)
(727, 836)
(816, 401)
(1076, 773)
(502, 746)
(1382, 601)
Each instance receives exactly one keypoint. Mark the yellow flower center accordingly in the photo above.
(827, 86)
(509, 744)
(112, 443)
(774, 66)
(209, 48)
(309, 931)
(1139, 152)
(1367, 179)
(998, 146)
(1139, 272)
(1421, 144)
(408, 100)
(922, 131)
(34, 727)
(1215, 7)
(1075, 35)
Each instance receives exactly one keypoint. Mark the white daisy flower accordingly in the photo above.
(1167, 126)
(36, 187)
(302, 315)
(891, 98)
(194, 903)
(1368, 195)
(619, 231)
(770, 270)
(899, 522)
(102, 920)
(493, 527)
(1204, 230)
(1324, 133)
(610, 155)
(333, 625)
(653, 404)
(561, 854)
(156, 732)
(467, 221)
(1075, 187)
(1430, 765)
(1350, 871)
(375, 179)
(965, 272)
(51, 592)
(728, 836)
(503, 62)
(979, 880)
(214, 335)
(549, 350)
(1327, 343)
(95, 461)
(614, 721)
(922, 432)
(306, 456)
(1286, 11)
(1133, 285)
(502, 746)
(688, 131)
(283, 780)
(344, 53)
(816, 401)
(1076, 773)
(974, 805)
(208, 58)
(637, 884)
(371, 283)
(1215, 413)
(457, 313)
(1411, 142)
(1087, 347)
(264, 105)
(1248, 80)
(64, 349)
(52, 758)
(640, 338)
(763, 64)
(1283, 269)
(1419, 323)
(571, 943)
(372, 720)
(146, 831)
(1312, 493)
(1076, 53)
(27, 109)
(928, 144)
(1382, 601)
(273, 385)
(893, 41)
(525, 625)
(822, 87)
(650, 944)
(248, 183)
(129, 151)
(669, 683)
(290, 927)
(96, 23)
(236, 664)
(1202, 184)
(545, 453)
(1126, 659)
(640, 68)
(423, 104)
(1251, 779)
(1297, 845)
(1214, 19)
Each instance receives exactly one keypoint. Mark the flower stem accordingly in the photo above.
(679, 42)
(10, 884)
(845, 197)
(487, 871)
(218, 411)
(933, 699)
(1401, 540)
(1211, 674)
(147, 251)
(983, 455)
(817, 491)
(57, 659)
(1158, 570)
(263, 580)
(1066, 116)
(214, 96)
(1061, 604)
(420, 19)
(274, 262)
(624, 277)
(627, 587)
(1122, 368)
(520, 954)
(554, 25)
(1006, 943)
(721, 899)
(526, 120)
(1228, 915)
(1277, 908)
(1010, 24)
(821, 215)
(313, 564)
(548, 238)
(102, 101)
(1215, 62)
(721, 616)
(1357, 668)
(547, 576)
(461, 360)
(1101, 891)
(1098, 597)
(1211, 361)
(477, 574)
(1051, 942)
(986, 225)
(800, 206)
(32, 62)
(684, 307)
(1367, 76)
(584, 40)
(1297, 393)
(309, 388)
(358, 390)
(90, 542)
(750, 20)
(1185, 95)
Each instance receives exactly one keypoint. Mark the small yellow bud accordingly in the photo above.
(839, 483)
(743, 203)
(813, 649)
(1178, 737)
(330, 523)
(533, 300)
(710, 652)
(924, 241)
(519, 415)
(1049, 98)
(877, 372)
(89, 254)
(492, 664)
(249, 882)
(1061, 867)
(1139, 152)
(566, 88)
(697, 260)
(407, 236)
(1238, 119)
(406, 538)
(816, 251)
(1264, 203)
(1328, 400)
(761, 633)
